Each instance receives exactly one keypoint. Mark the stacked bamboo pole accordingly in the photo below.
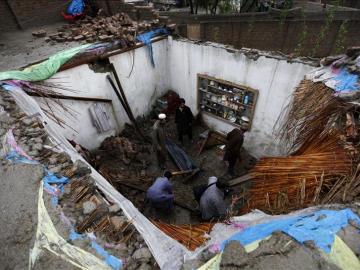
(313, 129)
(191, 236)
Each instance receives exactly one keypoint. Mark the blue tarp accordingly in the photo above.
(320, 227)
(182, 160)
(76, 7)
(346, 82)
(147, 36)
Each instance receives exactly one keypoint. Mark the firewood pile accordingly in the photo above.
(100, 28)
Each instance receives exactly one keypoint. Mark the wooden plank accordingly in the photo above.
(203, 144)
(240, 180)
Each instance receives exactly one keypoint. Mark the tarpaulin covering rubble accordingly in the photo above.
(146, 39)
(313, 224)
(337, 75)
(320, 227)
(46, 69)
(76, 7)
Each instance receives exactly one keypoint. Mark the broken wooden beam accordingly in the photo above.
(239, 180)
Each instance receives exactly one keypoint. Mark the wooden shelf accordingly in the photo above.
(243, 110)
(221, 118)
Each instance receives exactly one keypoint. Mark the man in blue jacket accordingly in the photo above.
(160, 194)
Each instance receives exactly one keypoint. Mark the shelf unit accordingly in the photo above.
(226, 100)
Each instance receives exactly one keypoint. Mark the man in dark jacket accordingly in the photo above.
(183, 120)
(235, 140)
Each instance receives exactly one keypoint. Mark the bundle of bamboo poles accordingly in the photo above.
(280, 184)
(312, 112)
(313, 128)
(191, 236)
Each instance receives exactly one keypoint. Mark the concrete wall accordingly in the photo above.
(141, 87)
(275, 80)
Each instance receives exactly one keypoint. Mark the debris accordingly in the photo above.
(39, 33)
(143, 254)
(88, 207)
(118, 222)
(114, 208)
(100, 28)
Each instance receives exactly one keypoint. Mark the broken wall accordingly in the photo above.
(275, 79)
(141, 82)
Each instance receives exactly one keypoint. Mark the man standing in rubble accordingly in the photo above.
(158, 140)
(183, 120)
(235, 140)
(160, 194)
(212, 201)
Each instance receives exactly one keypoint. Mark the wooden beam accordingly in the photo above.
(240, 180)
(34, 94)
(14, 15)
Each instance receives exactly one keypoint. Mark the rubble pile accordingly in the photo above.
(82, 203)
(100, 28)
(126, 165)
(350, 60)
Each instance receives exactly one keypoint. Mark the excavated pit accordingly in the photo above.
(129, 164)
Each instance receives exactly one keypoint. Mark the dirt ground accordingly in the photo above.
(209, 161)
(21, 48)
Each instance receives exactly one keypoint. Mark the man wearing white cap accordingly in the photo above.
(212, 203)
(158, 140)
(235, 140)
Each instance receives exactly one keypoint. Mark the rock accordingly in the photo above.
(38, 140)
(234, 255)
(82, 168)
(88, 207)
(192, 264)
(27, 121)
(118, 221)
(39, 33)
(34, 153)
(37, 146)
(143, 254)
(53, 160)
(114, 208)
(145, 266)
(55, 169)
(78, 38)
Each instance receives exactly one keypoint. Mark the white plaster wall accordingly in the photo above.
(142, 86)
(79, 126)
(143, 83)
(275, 79)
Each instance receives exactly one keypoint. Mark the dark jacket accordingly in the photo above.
(184, 118)
(235, 140)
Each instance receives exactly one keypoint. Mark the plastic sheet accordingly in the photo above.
(45, 69)
(168, 253)
(320, 227)
(146, 39)
(76, 7)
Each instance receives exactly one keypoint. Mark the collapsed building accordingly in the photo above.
(79, 121)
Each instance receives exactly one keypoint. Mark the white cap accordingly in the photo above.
(162, 116)
(212, 179)
(245, 119)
